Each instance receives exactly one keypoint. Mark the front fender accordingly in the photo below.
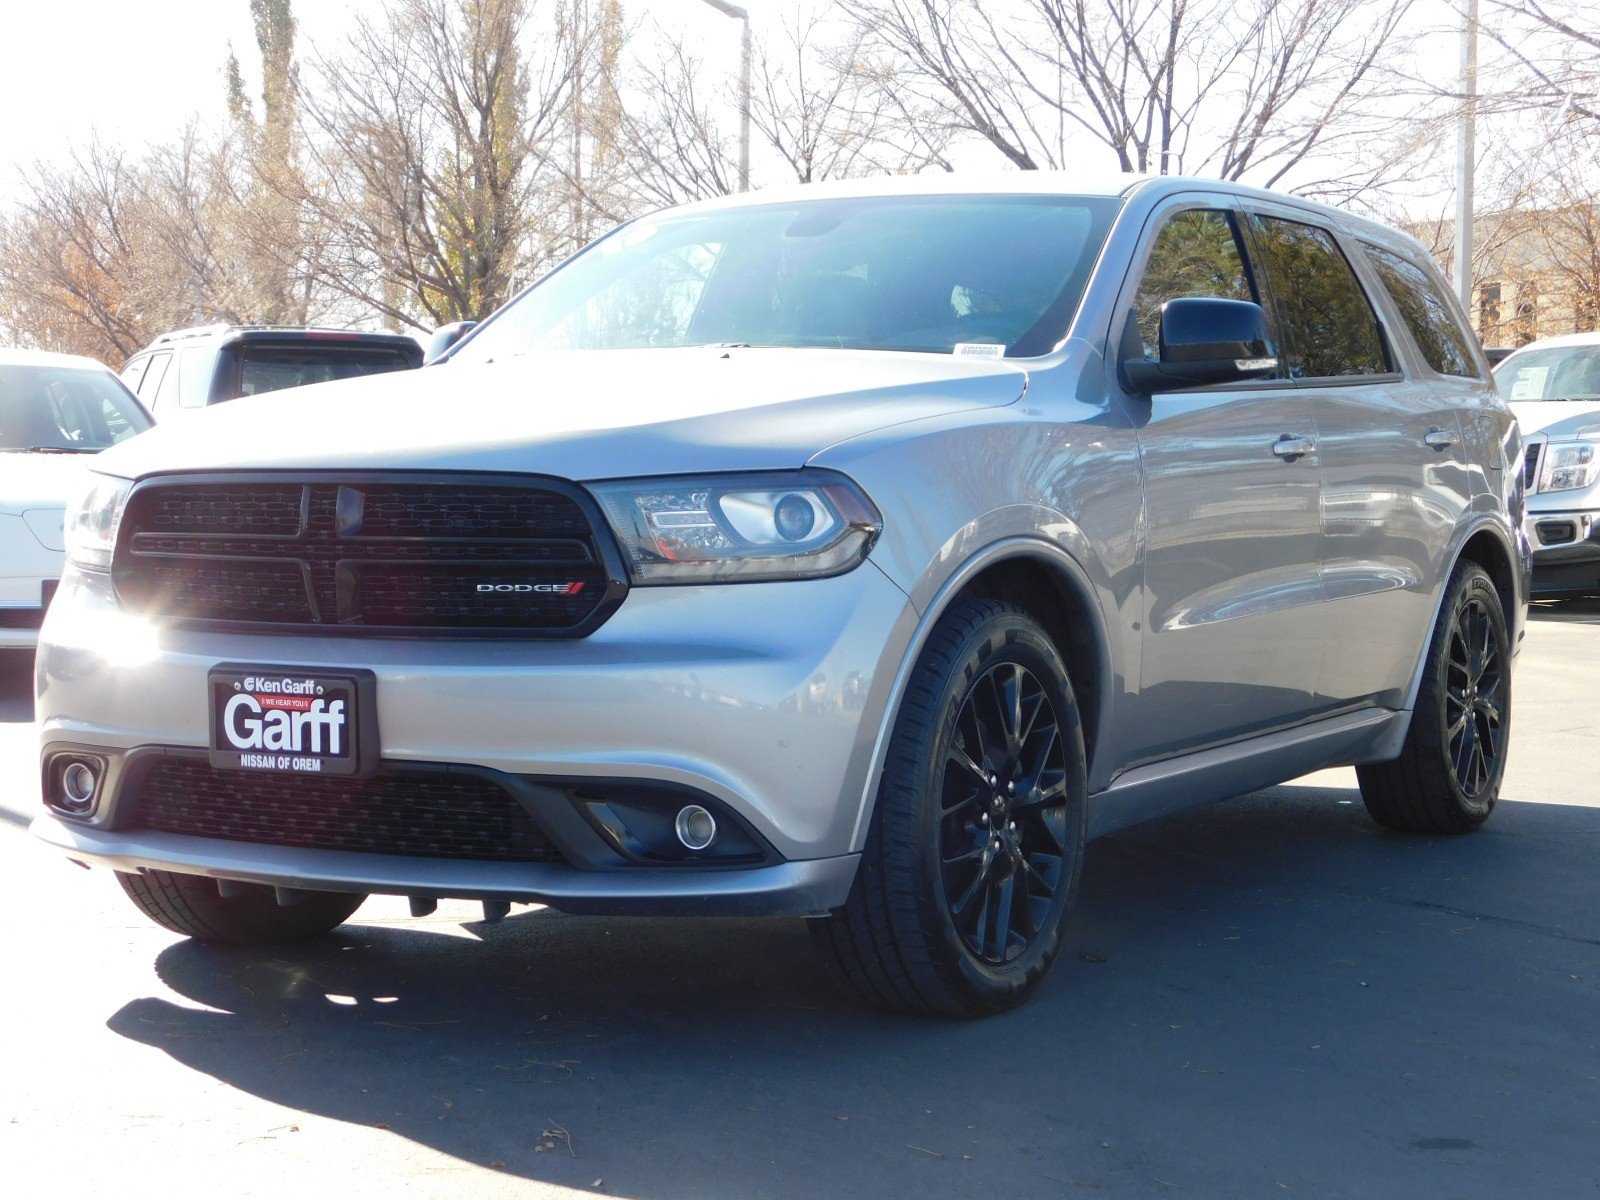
(939, 586)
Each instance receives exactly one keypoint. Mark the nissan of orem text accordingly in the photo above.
(854, 552)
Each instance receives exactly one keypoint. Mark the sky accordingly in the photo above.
(132, 74)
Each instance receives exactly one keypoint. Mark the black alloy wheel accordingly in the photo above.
(1447, 776)
(1003, 808)
(1475, 687)
(975, 846)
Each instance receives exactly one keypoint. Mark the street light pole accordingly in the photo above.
(740, 14)
(1465, 152)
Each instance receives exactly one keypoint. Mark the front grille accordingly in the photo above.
(420, 814)
(1530, 467)
(436, 555)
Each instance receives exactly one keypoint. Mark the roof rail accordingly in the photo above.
(195, 331)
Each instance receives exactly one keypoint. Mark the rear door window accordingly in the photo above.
(268, 368)
(1425, 311)
(134, 372)
(153, 377)
(1329, 326)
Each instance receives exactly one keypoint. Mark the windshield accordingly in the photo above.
(919, 273)
(65, 410)
(1557, 373)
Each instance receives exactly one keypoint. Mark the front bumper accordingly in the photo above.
(769, 698)
(783, 889)
(28, 573)
(1566, 551)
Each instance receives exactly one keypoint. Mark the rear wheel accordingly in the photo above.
(975, 848)
(194, 906)
(1448, 775)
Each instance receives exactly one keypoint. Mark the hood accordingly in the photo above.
(581, 414)
(1557, 418)
(31, 481)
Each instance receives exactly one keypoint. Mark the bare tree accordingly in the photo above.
(827, 109)
(104, 250)
(1556, 46)
(272, 220)
(1240, 89)
(821, 105)
(431, 137)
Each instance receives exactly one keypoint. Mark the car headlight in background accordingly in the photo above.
(740, 528)
(91, 522)
(1568, 466)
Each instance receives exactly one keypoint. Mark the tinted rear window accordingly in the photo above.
(267, 368)
(1328, 322)
(1426, 312)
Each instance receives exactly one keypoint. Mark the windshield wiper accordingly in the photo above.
(64, 449)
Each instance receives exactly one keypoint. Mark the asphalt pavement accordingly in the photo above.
(1269, 997)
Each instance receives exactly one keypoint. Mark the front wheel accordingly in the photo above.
(976, 845)
(250, 916)
(1448, 775)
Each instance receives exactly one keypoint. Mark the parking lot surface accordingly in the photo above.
(1267, 997)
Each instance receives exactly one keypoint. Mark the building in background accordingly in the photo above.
(1536, 271)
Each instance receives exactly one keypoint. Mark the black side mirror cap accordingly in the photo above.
(1205, 340)
(445, 337)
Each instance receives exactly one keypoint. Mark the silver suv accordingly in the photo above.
(854, 552)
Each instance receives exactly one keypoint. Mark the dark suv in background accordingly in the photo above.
(193, 368)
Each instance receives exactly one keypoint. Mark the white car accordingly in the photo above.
(54, 409)
(1554, 388)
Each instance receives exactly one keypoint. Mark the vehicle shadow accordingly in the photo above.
(1273, 992)
(1585, 611)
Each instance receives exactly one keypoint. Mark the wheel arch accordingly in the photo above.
(1486, 543)
(1056, 590)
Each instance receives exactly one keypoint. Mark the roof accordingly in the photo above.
(265, 332)
(45, 358)
(1040, 183)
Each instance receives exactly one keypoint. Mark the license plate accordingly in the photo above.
(293, 721)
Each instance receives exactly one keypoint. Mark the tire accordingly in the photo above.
(1448, 775)
(922, 930)
(193, 906)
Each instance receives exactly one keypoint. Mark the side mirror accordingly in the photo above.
(1205, 340)
(445, 337)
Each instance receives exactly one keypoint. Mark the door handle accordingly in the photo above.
(1440, 439)
(1290, 448)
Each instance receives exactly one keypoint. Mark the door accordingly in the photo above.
(1233, 633)
(1393, 480)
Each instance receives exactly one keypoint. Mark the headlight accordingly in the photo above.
(1568, 466)
(91, 523)
(796, 525)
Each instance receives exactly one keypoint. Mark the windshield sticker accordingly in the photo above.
(1529, 384)
(978, 350)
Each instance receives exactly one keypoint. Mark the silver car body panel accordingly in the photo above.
(1249, 618)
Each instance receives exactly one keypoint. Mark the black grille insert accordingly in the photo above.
(376, 553)
(1530, 467)
(436, 813)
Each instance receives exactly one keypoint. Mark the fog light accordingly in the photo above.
(72, 784)
(78, 781)
(696, 827)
